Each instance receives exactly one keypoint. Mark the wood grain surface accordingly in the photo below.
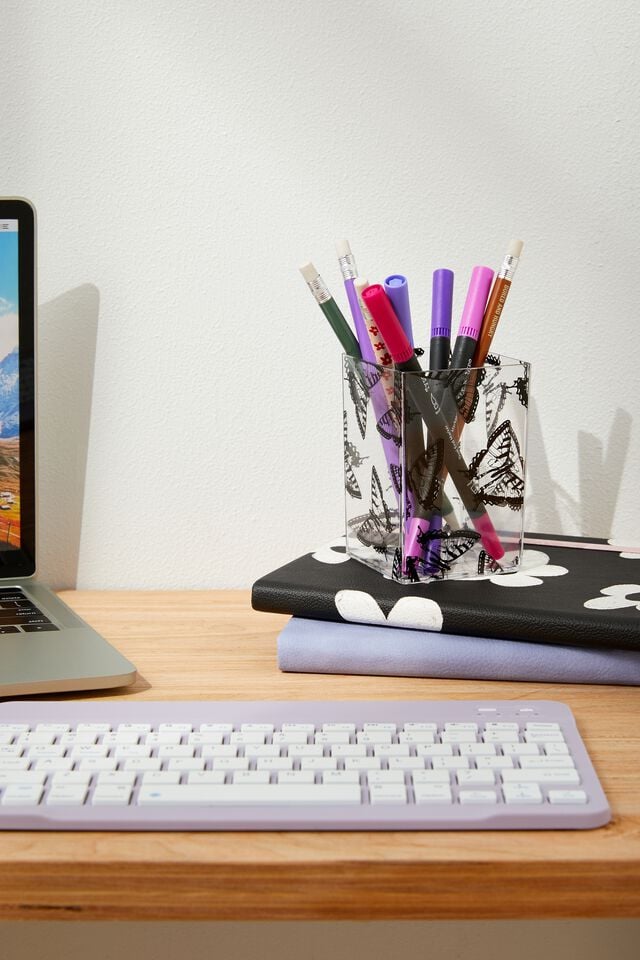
(211, 645)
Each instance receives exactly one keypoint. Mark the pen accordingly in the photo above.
(441, 301)
(405, 359)
(397, 289)
(347, 263)
(471, 320)
(331, 310)
(496, 302)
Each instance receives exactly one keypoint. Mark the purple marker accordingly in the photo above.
(441, 301)
(397, 289)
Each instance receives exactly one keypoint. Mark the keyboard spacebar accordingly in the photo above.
(249, 794)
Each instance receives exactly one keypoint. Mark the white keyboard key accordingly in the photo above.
(88, 750)
(483, 778)
(93, 728)
(457, 727)
(13, 763)
(500, 736)
(118, 778)
(378, 736)
(163, 739)
(542, 727)
(477, 796)
(71, 740)
(392, 793)
(120, 739)
(134, 728)
(494, 763)
(340, 776)
(215, 728)
(375, 727)
(434, 750)
(175, 728)
(251, 776)
(568, 776)
(12, 751)
(262, 750)
(420, 727)
(6, 738)
(541, 763)
(431, 776)
(168, 777)
(556, 749)
(501, 725)
(172, 751)
(240, 794)
(330, 739)
(376, 777)
(21, 795)
(66, 795)
(23, 778)
(304, 776)
(70, 778)
(349, 750)
(391, 750)
(256, 728)
(226, 750)
(14, 728)
(338, 727)
(52, 728)
(520, 749)
(542, 737)
(31, 739)
(298, 728)
(215, 777)
(417, 736)
(450, 763)
(202, 739)
(318, 763)
(457, 736)
(233, 763)
(185, 764)
(141, 764)
(476, 749)
(53, 764)
(274, 763)
(306, 750)
(365, 763)
(567, 796)
(405, 763)
(141, 750)
(432, 793)
(522, 793)
(292, 736)
(113, 795)
(241, 738)
(97, 764)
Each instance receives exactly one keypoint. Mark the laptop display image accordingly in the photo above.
(44, 646)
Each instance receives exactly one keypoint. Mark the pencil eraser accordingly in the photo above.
(515, 248)
(308, 271)
(360, 283)
(342, 248)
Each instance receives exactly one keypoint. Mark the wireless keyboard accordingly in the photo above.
(326, 765)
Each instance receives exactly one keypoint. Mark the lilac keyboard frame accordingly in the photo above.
(544, 816)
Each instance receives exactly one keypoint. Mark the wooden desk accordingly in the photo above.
(206, 645)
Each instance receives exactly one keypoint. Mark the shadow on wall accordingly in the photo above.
(67, 333)
(551, 508)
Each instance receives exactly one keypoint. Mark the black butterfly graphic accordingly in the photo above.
(463, 388)
(377, 529)
(396, 477)
(441, 548)
(487, 564)
(361, 378)
(425, 475)
(497, 472)
(495, 396)
(351, 459)
(521, 387)
(409, 573)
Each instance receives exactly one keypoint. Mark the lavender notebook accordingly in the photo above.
(317, 646)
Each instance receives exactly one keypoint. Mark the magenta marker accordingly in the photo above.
(471, 320)
(397, 289)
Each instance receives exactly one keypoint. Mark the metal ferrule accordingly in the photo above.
(319, 289)
(508, 268)
(348, 267)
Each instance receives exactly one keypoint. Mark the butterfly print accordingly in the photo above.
(487, 564)
(463, 387)
(441, 548)
(377, 529)
(522, 390)
(497, 472)
(351, 459)
(396, 477)
(425, 475)
(495, 396)
(361, 377)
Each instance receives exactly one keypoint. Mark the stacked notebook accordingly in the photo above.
(571, 614)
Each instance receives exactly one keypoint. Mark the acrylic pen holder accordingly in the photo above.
(434, 469)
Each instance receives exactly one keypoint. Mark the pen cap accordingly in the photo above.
(441, 300)
(383, 314)
(476, 301)
(397, 290)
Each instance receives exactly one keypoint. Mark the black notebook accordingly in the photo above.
(577, 595)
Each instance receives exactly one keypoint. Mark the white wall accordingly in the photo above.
(185, 157)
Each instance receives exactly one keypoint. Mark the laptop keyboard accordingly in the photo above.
(295, 765)
(19, 614)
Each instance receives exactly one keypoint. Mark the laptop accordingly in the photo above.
(44, 646)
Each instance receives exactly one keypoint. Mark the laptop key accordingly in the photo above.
(38, 627)
(8, 629)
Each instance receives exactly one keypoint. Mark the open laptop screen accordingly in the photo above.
(17, 296)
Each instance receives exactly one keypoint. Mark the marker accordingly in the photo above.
(397, 289)
(496, 301)
(405, 359)
(347, 263)
(471, 320)
(441, 302)
(331, 310)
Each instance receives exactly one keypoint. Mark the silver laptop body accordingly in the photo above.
(44, 646)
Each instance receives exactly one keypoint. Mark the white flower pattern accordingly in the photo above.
(534, 566)
(615, 597)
